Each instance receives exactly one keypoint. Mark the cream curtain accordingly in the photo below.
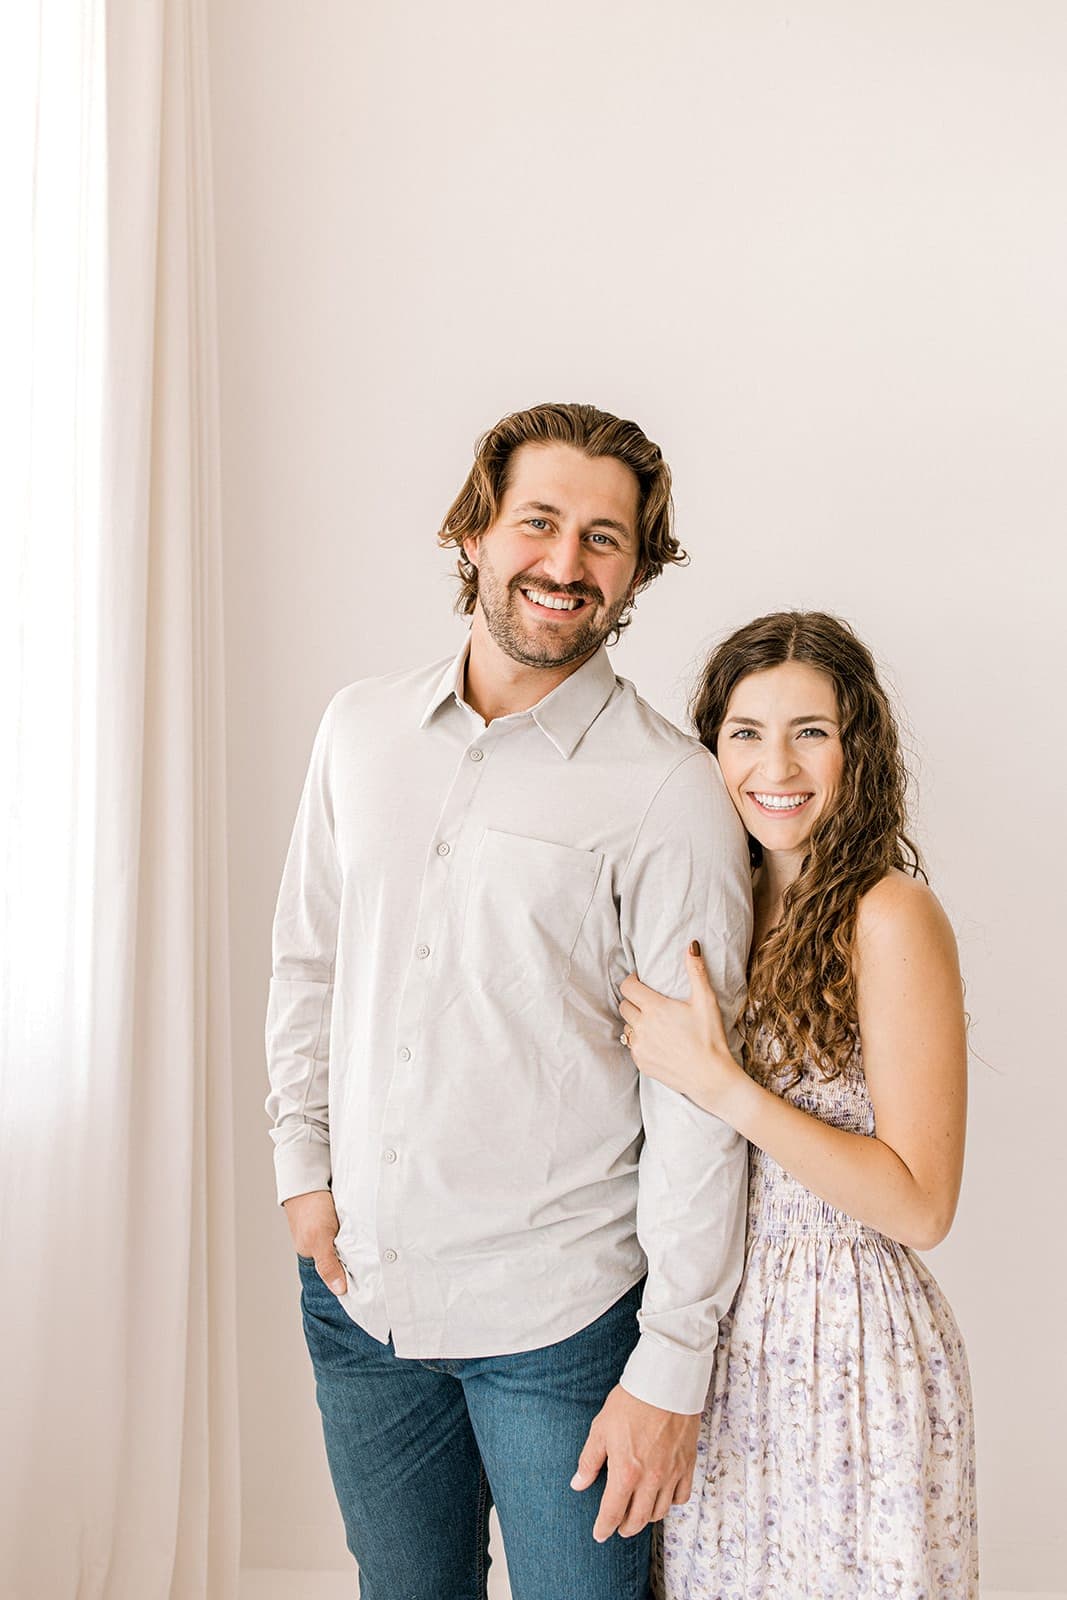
(117, 1373)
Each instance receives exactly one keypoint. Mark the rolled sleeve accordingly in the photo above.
(663, 1374)
(688, 877)
(300, 1003)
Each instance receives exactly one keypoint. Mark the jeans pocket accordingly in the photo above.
(310, 1281)
(314, 1285)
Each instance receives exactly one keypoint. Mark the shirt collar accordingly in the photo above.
(448, 684)
(564, 716)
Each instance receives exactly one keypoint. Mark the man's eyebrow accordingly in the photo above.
(616, 527)
(794, 722)
(554, 511)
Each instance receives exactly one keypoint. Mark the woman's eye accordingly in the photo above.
(743, 733)
(819, 733)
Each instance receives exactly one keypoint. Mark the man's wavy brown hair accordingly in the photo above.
(594, 433)
(801, 981)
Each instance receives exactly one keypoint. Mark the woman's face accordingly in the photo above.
(779, 749)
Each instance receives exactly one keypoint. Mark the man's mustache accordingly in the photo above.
(573, 591)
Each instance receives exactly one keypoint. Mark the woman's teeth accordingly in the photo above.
(553, 601)
(781, 802)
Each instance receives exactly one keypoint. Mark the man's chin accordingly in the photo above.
(531, 650)
(543, 647)
(532, 656)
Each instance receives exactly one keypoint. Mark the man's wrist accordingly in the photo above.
(322, 1189)
(668, 1376)
(621, 1389)
(301, 1169)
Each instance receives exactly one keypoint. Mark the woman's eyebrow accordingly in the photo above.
(752, 722)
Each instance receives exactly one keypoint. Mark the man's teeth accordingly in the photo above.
(554, 602)
(781, 802)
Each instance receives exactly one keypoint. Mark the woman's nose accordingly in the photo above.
(779, 764)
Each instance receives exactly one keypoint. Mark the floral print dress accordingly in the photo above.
(836, 1453)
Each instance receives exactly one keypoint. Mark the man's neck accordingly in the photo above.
(498, 686)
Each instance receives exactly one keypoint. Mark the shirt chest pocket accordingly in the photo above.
(527, 903)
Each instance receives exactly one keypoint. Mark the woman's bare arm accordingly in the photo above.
(905, 1181)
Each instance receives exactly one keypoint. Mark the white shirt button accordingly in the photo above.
(422, 951)
(389, 1156)
(389, 1255)
(405, 1054)
(443, 849)
(476, 755)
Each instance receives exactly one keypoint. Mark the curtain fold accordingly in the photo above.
(119, 1475)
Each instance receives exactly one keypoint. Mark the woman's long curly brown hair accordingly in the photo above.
(801, 981)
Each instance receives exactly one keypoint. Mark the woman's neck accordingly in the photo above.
(778, 869)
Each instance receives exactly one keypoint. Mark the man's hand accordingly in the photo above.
(650, 1456)
(313, 1225)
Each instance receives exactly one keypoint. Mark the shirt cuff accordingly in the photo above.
(300, 1168)
(668, 1376)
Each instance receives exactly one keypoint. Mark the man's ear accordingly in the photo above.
(470, 550)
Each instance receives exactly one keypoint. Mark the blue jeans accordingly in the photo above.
(419, 1451)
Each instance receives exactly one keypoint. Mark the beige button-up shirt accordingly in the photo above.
(459, 905)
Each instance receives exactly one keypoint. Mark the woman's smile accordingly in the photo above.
(780, 804)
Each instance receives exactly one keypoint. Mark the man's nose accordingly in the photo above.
(564, 560)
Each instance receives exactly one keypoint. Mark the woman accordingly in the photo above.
(836, 1452)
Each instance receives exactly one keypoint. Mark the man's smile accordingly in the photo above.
(540, 600)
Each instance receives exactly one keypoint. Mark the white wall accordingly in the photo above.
(818, 251)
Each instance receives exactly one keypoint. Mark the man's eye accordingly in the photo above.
(537, 522)
(601, 538)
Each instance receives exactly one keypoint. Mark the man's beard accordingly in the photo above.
(522, 641)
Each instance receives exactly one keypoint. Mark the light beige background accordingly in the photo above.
(818, 251)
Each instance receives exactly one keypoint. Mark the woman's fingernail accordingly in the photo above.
(694, 948)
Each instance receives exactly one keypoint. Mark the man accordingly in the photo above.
(475, 1179)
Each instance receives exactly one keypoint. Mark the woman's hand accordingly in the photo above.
(682, 1043)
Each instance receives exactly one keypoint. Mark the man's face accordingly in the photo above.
(558, 566)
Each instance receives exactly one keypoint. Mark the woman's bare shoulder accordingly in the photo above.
(901, 910)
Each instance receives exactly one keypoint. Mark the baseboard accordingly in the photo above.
(262, 1583)
(277, 1584)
